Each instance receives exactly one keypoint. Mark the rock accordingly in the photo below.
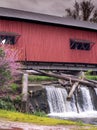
(38, 100)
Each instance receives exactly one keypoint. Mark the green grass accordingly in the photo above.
(40, 78)
(21, 117)
(91, 77)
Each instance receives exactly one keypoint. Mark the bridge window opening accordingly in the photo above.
(80, 44)
(8, 38)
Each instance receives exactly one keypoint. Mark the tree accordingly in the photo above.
(84, 10)
(8, 65)
(75, 12)
(94, 18)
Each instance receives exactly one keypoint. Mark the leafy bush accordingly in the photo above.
(40, 113)
(17, 103)
(6, 105)
(14, 87)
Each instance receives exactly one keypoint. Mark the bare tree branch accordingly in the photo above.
(94, 18)
(84, 10)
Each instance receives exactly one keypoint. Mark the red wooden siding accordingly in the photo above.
(51, 43)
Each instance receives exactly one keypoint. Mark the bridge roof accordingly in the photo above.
(32, 16)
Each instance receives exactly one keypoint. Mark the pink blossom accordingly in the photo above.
(9, 60)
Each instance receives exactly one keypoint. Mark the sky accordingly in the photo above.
(51, 7)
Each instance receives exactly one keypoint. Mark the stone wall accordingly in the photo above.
(38, 100)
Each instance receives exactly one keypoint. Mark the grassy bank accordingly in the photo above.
(21, 117)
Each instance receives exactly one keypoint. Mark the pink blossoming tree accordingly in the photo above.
(9, 67)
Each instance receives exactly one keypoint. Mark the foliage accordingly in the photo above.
(12, 55)
(40, 113)
(17, 103)
(18, 99)
(8, 65)
(40, 78)
(7, 105)
(88, 72)
(14, 87)
(84, 10)
(91, 77)
(4, 68)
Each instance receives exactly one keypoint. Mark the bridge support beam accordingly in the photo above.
(25, 92)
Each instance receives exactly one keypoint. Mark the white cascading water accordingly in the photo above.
(87, 102)
(57, 100)
(95, 90)
(60, 107)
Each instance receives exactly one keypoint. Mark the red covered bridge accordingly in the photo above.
(50, 42)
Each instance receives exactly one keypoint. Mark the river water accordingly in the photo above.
(82, 106)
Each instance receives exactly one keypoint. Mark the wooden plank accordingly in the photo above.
(83, 82)
(75, 85)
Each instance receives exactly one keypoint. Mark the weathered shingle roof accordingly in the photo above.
(24, 15)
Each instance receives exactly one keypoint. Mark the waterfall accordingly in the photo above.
(95, 90)
(87, 102)
(80, 105)
(57, 99)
